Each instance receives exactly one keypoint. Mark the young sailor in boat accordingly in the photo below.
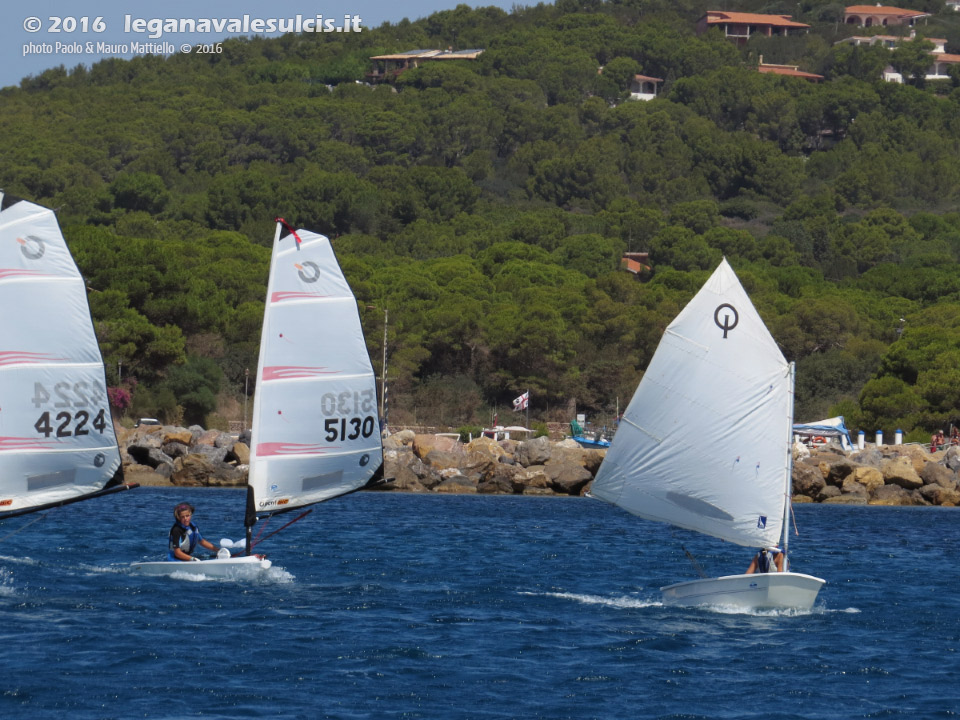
(767, 560)
(185, 536)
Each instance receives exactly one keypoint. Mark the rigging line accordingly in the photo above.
(23, 527)
(796, 530)
(299, 517)
(692, 559)
(260, 532)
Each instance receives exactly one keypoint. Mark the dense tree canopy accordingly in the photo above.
(486, 205)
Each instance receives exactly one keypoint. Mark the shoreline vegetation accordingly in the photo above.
(170, 456)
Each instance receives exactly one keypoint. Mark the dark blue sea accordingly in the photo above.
(409, 606)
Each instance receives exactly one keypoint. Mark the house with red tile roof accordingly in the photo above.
(874, 15)
(738, 26)
(388, 67)
(787, 70)
(644, 87)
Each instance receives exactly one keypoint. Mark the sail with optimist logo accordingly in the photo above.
(57, 439)
(316, 432)
(705, 442)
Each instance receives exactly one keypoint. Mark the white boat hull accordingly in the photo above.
(240, 566)
(758, 591)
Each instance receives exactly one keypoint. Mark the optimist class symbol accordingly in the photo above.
(32, 247)
(727, 324)
(309, 272)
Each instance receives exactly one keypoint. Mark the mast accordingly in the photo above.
(789, 480)
(250, 516)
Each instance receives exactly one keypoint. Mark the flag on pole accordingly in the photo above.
(521, 402)
(496, 418)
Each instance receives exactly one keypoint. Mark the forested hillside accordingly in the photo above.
(486, 204)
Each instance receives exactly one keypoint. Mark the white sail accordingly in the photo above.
(315, 431)
(703, 443)
(57, 440)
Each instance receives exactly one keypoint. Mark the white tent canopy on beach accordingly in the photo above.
(830, 428)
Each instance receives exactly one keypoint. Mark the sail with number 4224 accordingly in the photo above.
(57, 440)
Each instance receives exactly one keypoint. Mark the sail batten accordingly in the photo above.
(57, 439)
(316, 433)
(702, 441)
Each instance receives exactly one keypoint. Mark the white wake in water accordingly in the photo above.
(622, 601)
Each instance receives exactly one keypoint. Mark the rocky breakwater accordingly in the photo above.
(439, 464)
(884, 475)
(168, 456)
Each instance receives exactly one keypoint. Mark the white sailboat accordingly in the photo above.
(315, 434)
(57, 440)
(717, 379)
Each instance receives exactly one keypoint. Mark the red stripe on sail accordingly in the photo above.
(22, 357)
(286, 372)
(13, 272)
(280, 448)
(17, 443)
(281, 296)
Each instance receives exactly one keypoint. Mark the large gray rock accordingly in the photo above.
(442, 459)
(828, 493)
(938, 495)
(937, 474)
(177, 434)
(216, 455)
(534, 452)
(454, 482)
(151, 456)
(198, 470)
(145, 476)
(868, 456)
(397, 440)
(406, 469)
(835, 468)
(500, 481)
(867, 476)
(532, 478)
(807, 480)
(900, 471)
(175, 449)
(850, 499)
(852, 487)
(423, 445)
(951, 458)
(892, 495)
(567, 478)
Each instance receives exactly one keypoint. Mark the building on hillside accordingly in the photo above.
(891, 41)
(788, 70)
(953, 5)
(388, 67)
(644, 88)
(941, 62)
(738, 26)
(874, 15)
(636, 262)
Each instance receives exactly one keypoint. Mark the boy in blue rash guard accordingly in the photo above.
(185, 536)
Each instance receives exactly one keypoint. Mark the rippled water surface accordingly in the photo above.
(389, 606)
